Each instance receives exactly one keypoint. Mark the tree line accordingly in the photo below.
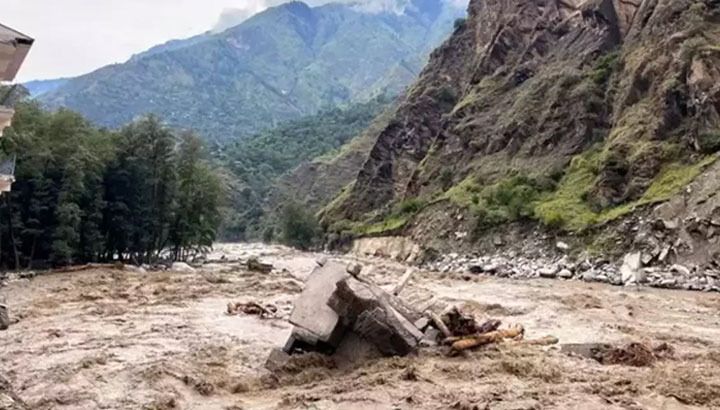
(84, 194)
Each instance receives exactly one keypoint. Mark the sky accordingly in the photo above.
(73, 37)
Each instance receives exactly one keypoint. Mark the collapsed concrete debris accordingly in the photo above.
(9, 400)
(251, 308)
(254, 264)
(344, 314)
(632, 354)
(4, 315)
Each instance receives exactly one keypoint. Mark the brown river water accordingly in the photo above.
(110, 339)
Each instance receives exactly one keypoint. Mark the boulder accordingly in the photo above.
(277, 360)
(631, 265)
(181, 267)
(589, 276)
(664, 253)
(683, 270)
(430, 337)
(475, 269)
(255, 265)
(354, 269)
(565, 274)
(548, 272)
(134, 268)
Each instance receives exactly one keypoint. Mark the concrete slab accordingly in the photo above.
(311, 311)
(369, 311)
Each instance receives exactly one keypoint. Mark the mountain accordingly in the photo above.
(40, 87)
(287, 62)
(594, 121)
(258, 161)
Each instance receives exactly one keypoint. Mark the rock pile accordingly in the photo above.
(630, 272)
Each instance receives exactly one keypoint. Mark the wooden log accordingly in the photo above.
(487, 338)
(404, 281)
(439, 324)
(543, 341)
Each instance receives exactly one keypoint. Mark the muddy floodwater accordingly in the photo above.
(111, 339)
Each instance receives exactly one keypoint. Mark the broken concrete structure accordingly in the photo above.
(14, 47)
(339, 312)
(315, 321)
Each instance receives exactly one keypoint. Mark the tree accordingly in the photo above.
(84, 194)
(300, 229)
(199, 198)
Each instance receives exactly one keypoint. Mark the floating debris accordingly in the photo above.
(251, 308)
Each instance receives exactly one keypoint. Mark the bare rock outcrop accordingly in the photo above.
(614, 104)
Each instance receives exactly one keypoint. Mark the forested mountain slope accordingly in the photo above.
(258, 161)
(287, 62)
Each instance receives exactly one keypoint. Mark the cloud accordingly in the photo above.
(380, 6)
(77, 36)
(231, 17)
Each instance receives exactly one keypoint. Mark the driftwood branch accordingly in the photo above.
(487, 338)
(440, 325)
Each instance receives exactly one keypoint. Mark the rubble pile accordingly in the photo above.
(251, 308)
(341, 313)
(633, 354)
(675, 276)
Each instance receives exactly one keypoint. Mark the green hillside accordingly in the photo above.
(256, 162)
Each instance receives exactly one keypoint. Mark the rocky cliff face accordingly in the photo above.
(571, 115)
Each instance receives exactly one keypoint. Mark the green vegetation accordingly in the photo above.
(398, 216)
(300, 229)
(259, 160)
(674, 178)
(604, 68)
(390, 223)
(508, 200)
(709, 142)
(567, 207)
(84, 194)
(563, 205)
(284, 63)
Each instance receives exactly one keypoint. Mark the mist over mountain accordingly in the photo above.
(234, 16)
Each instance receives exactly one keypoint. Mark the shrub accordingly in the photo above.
(604, 68)
(410, 206)
(446, 95)
(460, 24)
(300, 229)
(268, 234)
(709, 142)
